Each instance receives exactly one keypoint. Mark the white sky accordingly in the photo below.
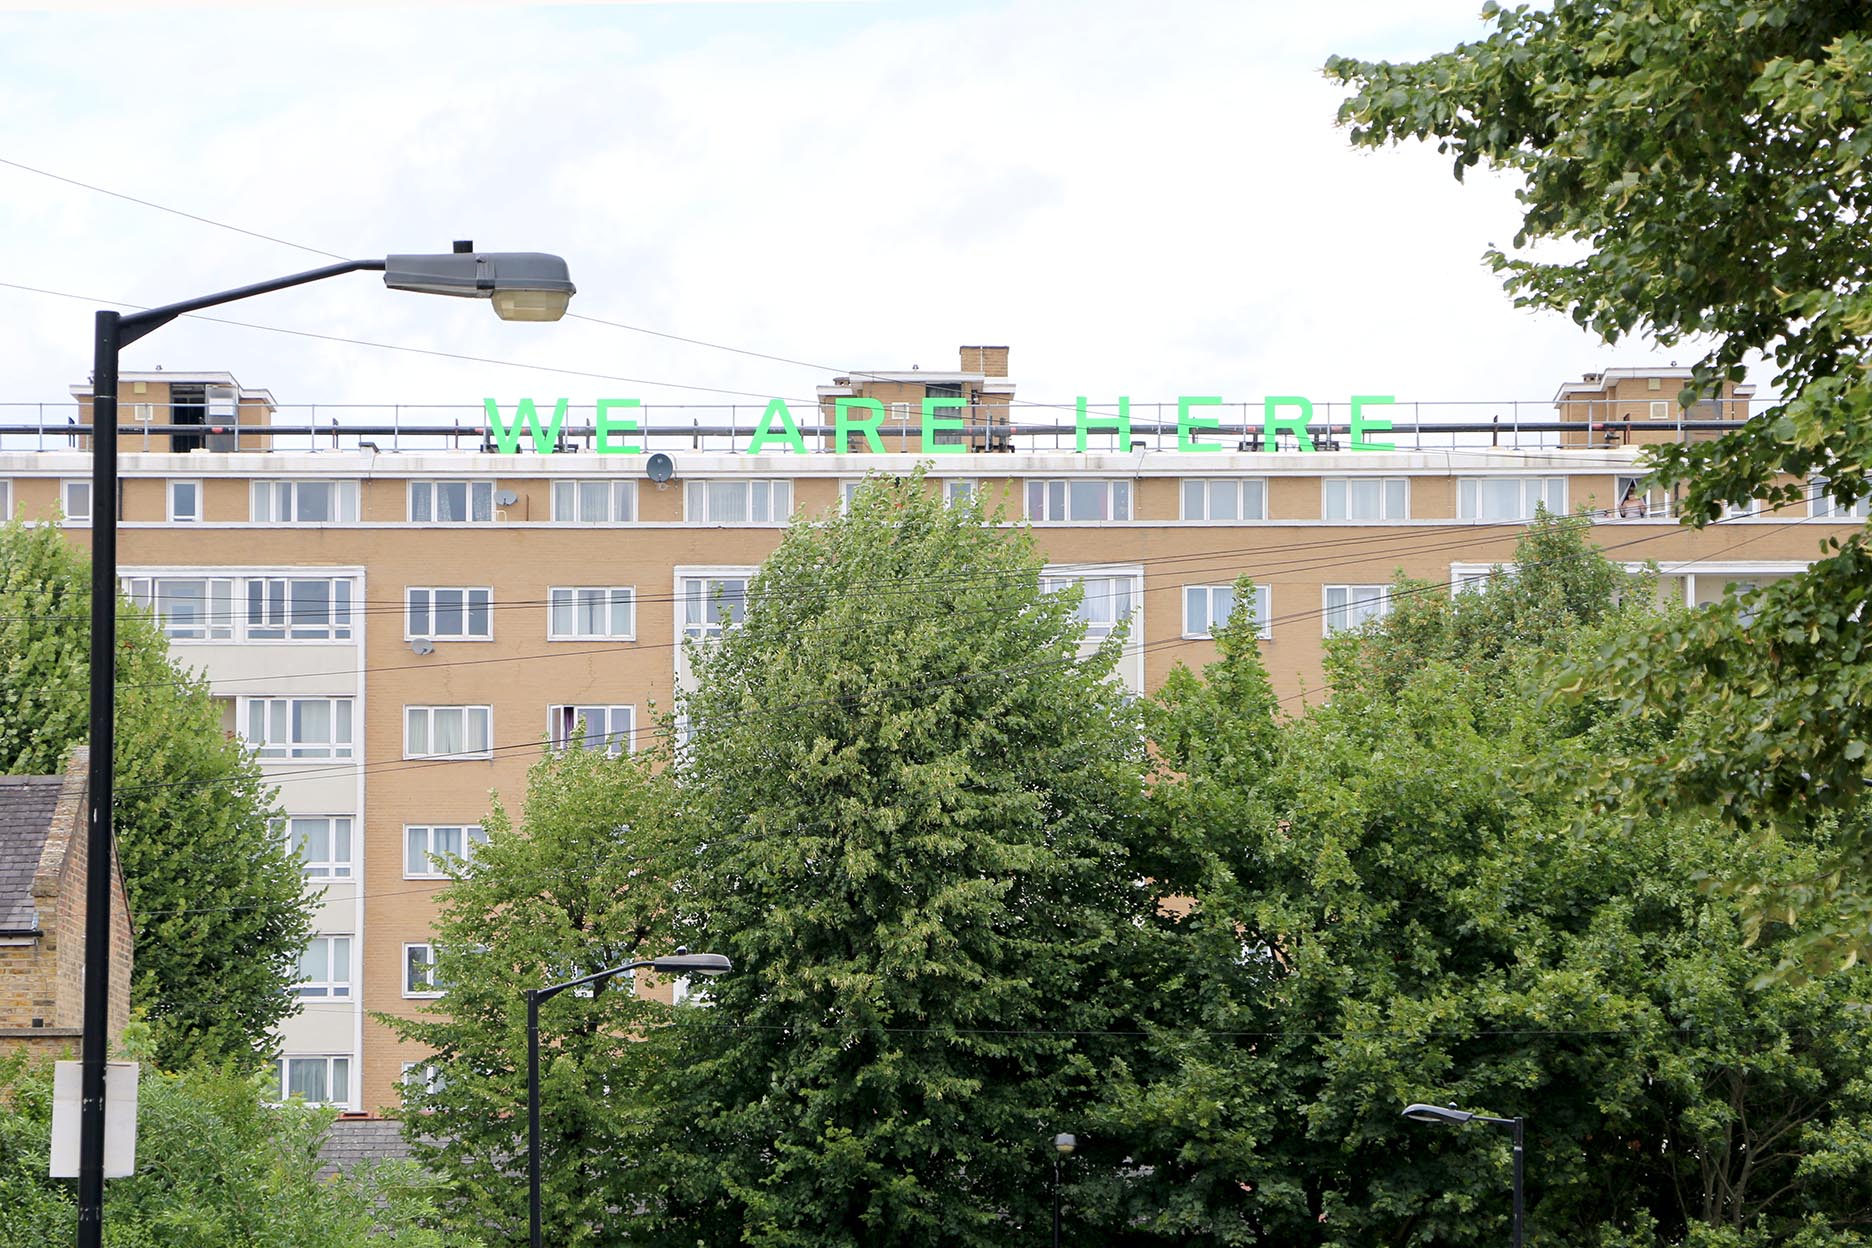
(1139, 198)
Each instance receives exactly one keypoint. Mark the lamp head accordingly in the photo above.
(523, 285)
(1437, 1113)
(683, 962)
(1064, 1143)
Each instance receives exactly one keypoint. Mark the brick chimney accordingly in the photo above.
(988, 361)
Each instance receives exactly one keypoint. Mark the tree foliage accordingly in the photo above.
(216, 1168)
(910, 816)
(574, 891)
(217, 901)
(1402, 903)
(1710, 155)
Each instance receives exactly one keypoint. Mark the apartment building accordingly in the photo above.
(399, 617)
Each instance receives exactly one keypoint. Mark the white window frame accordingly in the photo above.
(562, 722)
(1097, 607)
(278, 501)
(420, 841)
(336, 983)
(696, 592)
(1533, 492)
(475, 492)
(958, 490)
(427, 714)
(432, 1077)
(1264, 625)
(340, 714)
(1393, 499)
(430, 611)
(217, 604)
(577, 599)
(338, 828)
(569, 496)
(335, 1063)
(405, 966)
(1355, 597)
(279, 619)
(1652, 504)
(73, 515)
(176, 516)
(1201, 506)
(1058, 499)
(1822, 506)
(769, 500)
(6, 500)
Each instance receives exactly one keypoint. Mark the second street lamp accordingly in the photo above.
(1451, 1116)
(682, 962)
(523, 286)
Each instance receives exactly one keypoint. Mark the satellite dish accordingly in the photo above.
(660, 467)
(422, 645)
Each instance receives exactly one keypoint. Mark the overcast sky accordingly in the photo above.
(1138, 198)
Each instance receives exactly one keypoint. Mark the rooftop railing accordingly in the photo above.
(1025, 427)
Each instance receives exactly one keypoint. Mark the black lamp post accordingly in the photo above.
(524, 286)
(1451, 1116)
(682, 962)
(1063, 1145)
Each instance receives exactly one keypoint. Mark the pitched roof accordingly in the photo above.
(353, 1142)
(26, 807)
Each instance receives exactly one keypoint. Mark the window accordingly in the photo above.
(1208, 607)
(957, 491)
(419, 977)
(1632, 501)
(594, 502)
(1823, 506)
(447, 732)
(426, 1076)
(1348, 606)
(298, 608)
(6, 500)
(711, 603)
(449, 614)
(1742, 511)
(429, 849)
(738, 502)
(1108, 600)
(75, 501)
(587, 611)
(1078, 501)
(322, 843)
(185, 502)
(318, 1080)
(606, 728)
(325, 969)
(189, 608)
(1366, 498)
(1508, 498)
(451, 502)
(305, 502)
(298, 728)
(1241, 499)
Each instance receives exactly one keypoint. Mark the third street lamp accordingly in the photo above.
(1451, 1116)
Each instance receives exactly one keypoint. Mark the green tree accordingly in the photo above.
(217, 901)
(573, 892)
(1417, 912)
(1704, 160)
(910, 810)
(216, 1168)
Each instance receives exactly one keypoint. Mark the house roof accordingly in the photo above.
(27, 804)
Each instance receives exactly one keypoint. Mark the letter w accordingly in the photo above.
(507, 437)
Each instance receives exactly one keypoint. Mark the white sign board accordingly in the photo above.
(120, 1115)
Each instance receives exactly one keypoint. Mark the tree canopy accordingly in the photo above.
(1704, 161)
(217, 900)
(910, 787)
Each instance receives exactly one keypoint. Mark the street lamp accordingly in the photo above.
(523, 286)
(1063, 1145)
(1451, 1116)
(682, 962)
